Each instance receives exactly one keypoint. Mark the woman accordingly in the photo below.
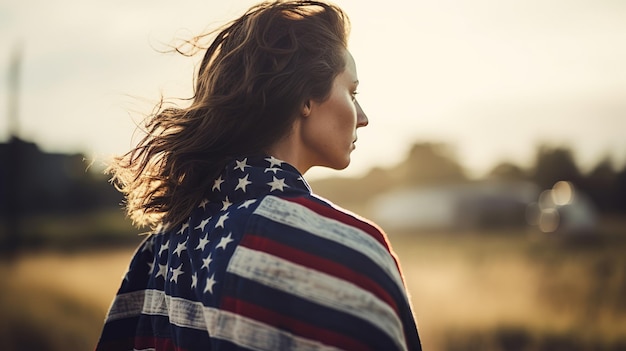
(243, 255)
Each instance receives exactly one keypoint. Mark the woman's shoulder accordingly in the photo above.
(316, 221)
(308, 251)
(308, 210)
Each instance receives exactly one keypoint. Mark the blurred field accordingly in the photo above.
(517, 291)
(513, 290)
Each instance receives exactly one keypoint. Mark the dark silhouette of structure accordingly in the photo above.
(10, 175)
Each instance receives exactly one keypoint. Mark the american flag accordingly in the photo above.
(263, 264)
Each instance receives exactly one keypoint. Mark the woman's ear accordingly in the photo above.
(306, 108)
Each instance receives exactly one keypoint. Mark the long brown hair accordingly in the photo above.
(255, 75)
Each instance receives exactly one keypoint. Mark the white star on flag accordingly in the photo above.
(274, 170)
(241, 164)
(226, 203)
(273, 161)
(183, 227)
(162, 271)
(194, 280)
(207, 261)
(224, 241)
(176, 272)
(247, 203)
(203, 203)
(209, 284)
(203, 224)
(277, 184)
(202, 243)
(218, 184)
(221, 220)
(180, 247)
(243, 183)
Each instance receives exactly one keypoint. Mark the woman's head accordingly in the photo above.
(255, 75)
(261, 68)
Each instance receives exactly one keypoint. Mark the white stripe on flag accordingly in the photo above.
(255, 335)
(318, 287)
(220, 324)
(181, 312)
(126, 305)
(301, 217)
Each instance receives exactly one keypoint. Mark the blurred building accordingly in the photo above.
(463, 206)
(33, 181)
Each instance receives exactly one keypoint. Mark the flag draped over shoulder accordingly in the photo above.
(262, 264)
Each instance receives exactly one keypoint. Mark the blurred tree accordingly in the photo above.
(508, 171)
(353, 192)
(553, 164)
(620, 191)
(600, 184)
(428, 164)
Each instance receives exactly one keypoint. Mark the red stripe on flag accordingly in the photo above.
(161, 344)
(292, 325)
(329, 210)
(319, 264)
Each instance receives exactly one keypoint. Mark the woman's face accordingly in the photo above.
(329, 130)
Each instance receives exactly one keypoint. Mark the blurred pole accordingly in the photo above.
(13, 170)
(14, 86)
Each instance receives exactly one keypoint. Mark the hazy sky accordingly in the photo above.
(492, 78)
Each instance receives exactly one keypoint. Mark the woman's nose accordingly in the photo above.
(361, 117)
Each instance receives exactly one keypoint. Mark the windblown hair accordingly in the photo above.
(256, 74)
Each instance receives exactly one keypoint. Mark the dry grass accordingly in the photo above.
(498, 291)
(521, 292)
(57, 301)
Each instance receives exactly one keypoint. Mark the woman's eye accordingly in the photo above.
(354, 94)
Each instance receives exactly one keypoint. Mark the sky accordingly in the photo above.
(493, 79)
